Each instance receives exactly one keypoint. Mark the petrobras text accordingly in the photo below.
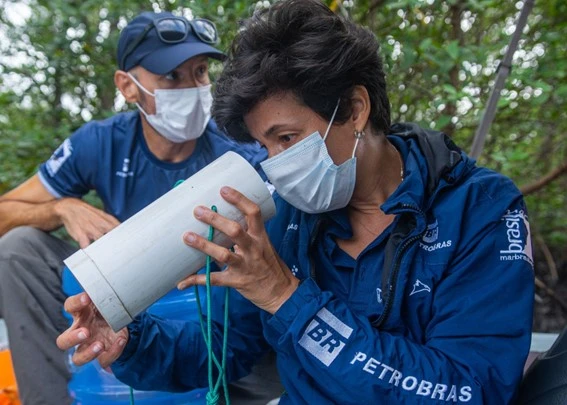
(410, 383)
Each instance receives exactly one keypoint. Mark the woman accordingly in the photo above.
(383, 276)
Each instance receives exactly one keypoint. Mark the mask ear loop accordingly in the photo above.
(143, 89)
(332, 119)
(140, 85)
(358, 135)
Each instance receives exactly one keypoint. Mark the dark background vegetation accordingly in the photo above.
(57, 59)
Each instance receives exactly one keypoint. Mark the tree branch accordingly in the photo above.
(374, 5)
(501, 75)
(369, 16)
(548, 256)
(551, 293)
(545, 180)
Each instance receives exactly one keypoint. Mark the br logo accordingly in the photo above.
(325, 336)
(432, 233)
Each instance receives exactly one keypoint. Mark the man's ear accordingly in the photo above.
(360, 107)
(126, 85)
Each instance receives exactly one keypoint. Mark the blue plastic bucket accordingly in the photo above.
(92, 385)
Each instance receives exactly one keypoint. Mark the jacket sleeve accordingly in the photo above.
(472, 351)
(167, 355)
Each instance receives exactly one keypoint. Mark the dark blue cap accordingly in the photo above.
(155, 55)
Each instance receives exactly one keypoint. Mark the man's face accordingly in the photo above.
(192, 73)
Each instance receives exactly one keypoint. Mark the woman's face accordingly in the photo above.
(281, 121)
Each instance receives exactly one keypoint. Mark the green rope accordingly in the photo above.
(213, 395)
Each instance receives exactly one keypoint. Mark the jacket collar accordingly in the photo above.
(431, 161)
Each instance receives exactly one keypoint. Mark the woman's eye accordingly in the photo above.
(285, 138)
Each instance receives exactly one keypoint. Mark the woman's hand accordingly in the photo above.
(254, 268)
(94, 337)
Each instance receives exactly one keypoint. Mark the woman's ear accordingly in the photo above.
(126, 85)
(360, 107)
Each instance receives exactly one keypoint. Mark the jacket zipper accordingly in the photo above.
(394, 277)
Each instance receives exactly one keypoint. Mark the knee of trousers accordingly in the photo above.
(17, 246)
(21, 240)
(24, 265)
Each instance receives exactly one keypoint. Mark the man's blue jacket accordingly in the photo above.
(438, 309)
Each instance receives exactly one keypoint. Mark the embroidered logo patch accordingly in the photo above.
(125, 169)
(59, 157)
(432, 233)
(517, 239)
(379, 295)
(418, 287)
(429, 242)
(325, 336)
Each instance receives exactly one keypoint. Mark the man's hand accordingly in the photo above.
(94, 337)
(83, 222)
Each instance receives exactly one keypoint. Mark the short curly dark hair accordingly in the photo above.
(302, 47)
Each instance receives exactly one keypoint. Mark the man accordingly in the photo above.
(130, 160)
(395, 271)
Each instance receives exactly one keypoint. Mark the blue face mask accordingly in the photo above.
(306, 177)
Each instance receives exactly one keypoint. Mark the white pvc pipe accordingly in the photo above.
(143, 258)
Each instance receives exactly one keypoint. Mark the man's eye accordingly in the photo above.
(285, 138)
(201, 72)
(172, 76)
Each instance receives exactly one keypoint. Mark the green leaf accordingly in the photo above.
(453, 50)
(408, 59)
(442, 121)
(450, 90)
(425, 44)
(397, 5)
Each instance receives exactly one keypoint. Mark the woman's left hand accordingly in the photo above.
(254, 268)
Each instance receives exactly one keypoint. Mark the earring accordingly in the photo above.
(358, 134)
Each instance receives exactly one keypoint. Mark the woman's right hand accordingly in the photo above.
(93, 337)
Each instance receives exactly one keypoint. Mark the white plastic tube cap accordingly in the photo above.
(143, 258)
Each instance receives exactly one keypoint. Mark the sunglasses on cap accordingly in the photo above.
(172, 30)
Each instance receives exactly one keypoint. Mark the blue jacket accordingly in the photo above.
(437, 309)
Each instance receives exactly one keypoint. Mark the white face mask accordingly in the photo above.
(181, 114)
(307, 178)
